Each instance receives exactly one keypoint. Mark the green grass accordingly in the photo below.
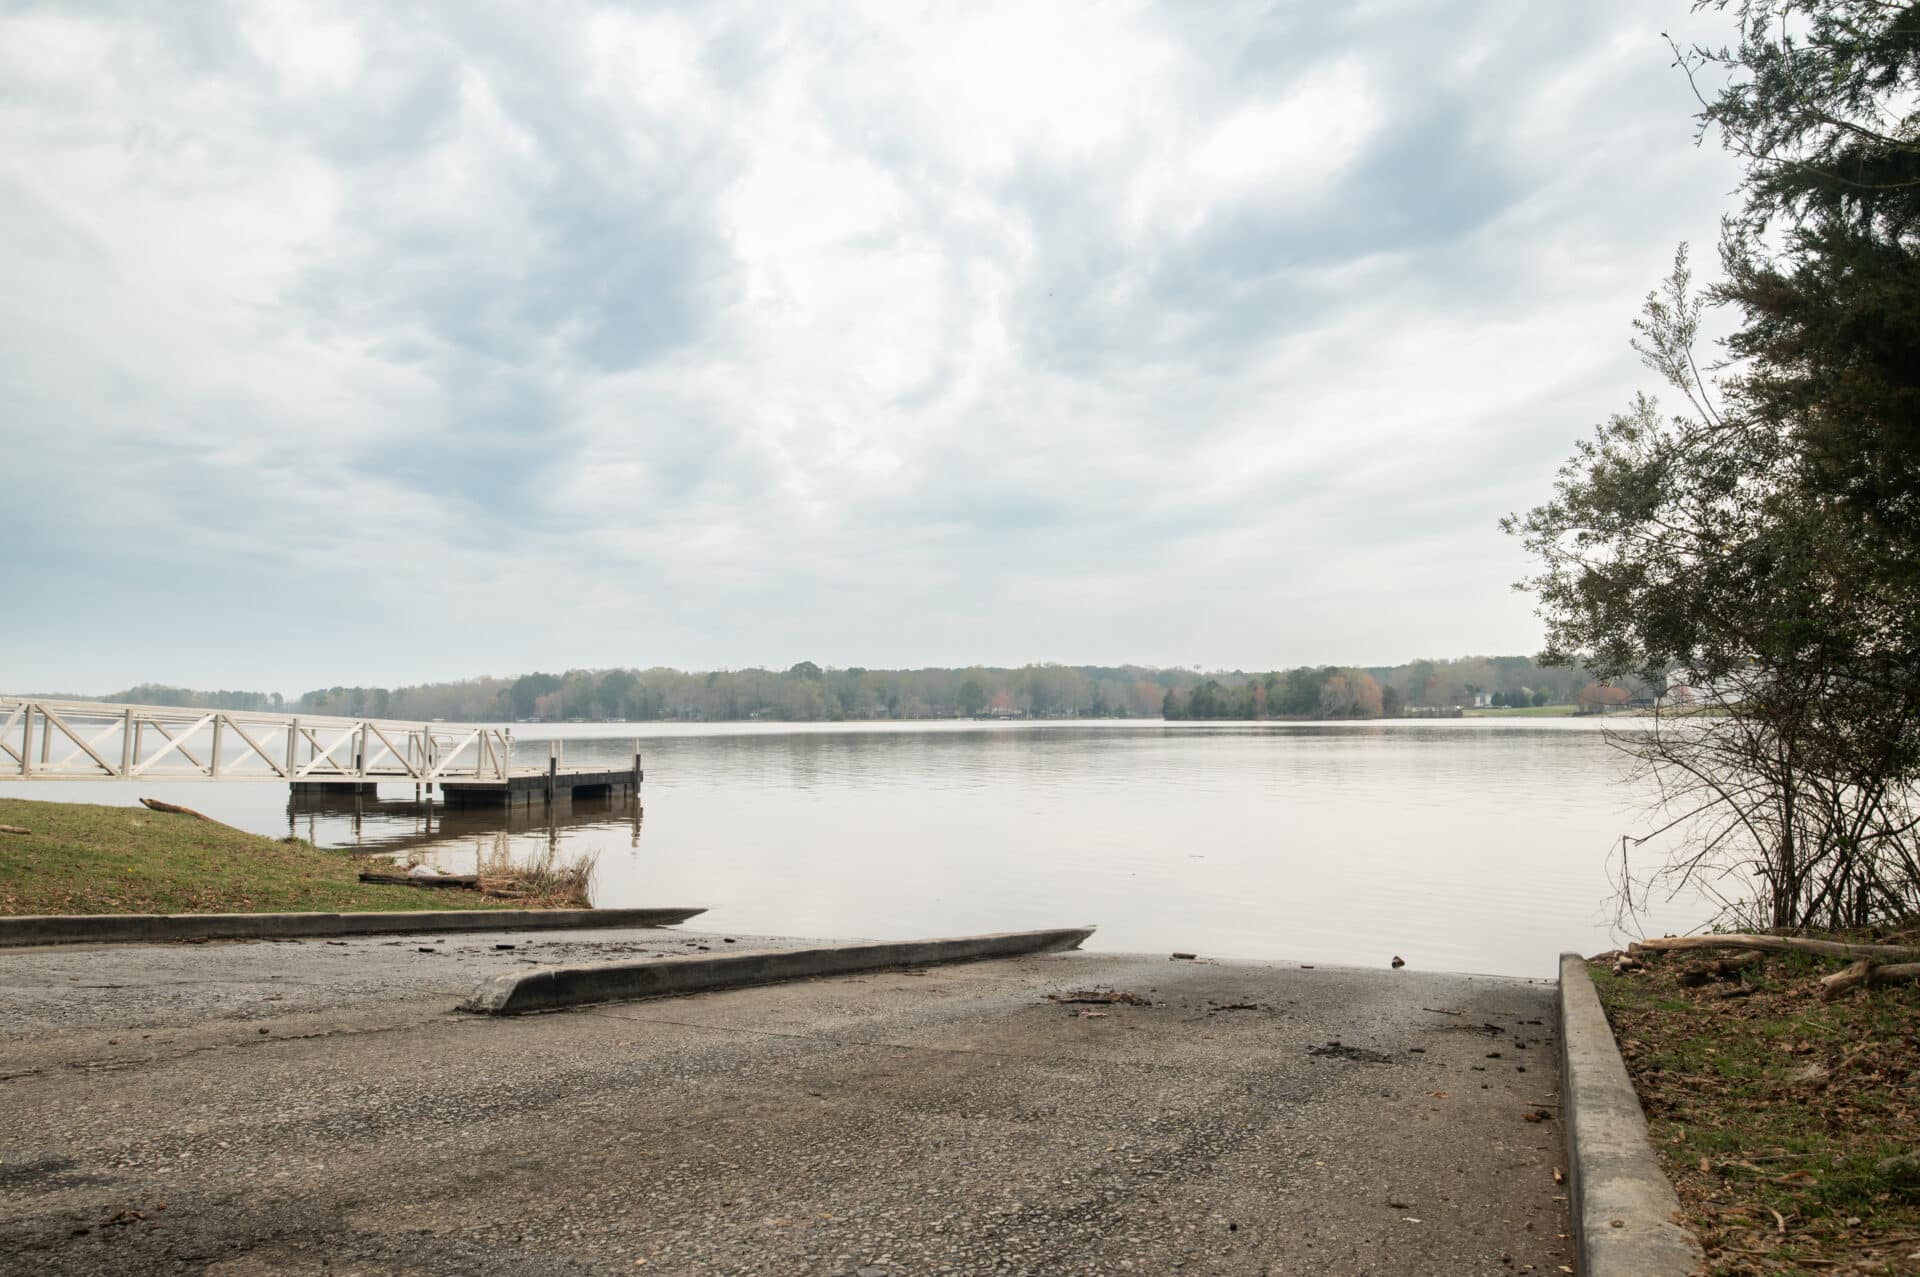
(1526, 711)
(1775, 1114)
(82, 858)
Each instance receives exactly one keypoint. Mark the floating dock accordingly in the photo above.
(544, 787)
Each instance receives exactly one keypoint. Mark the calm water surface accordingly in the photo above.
(1469, 845)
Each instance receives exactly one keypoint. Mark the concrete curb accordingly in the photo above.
(1623, 1208)
(147, 928)
(550, 988)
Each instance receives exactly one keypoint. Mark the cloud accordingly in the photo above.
(354, 343)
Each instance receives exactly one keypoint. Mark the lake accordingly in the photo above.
(1466, 844)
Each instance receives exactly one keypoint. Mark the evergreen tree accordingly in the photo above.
(1765, 541)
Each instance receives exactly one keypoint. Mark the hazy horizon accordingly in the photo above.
(358, 345)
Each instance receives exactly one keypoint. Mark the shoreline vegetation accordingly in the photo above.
(806, 692)
(1780, 1101)
(82, 858)
(1758, 530)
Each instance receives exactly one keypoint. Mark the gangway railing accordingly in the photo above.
(94, 740)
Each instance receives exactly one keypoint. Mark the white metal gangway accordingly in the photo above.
(92, 740)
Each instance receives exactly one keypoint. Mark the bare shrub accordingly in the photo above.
(548, 881)
(1776, 806)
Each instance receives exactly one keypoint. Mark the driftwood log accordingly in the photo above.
(1779, 944)
(154, 804)
(1867, 972)
(14, 829)
(1728, 968)
(407, 880)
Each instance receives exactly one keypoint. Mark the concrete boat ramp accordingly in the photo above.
(319, 1106)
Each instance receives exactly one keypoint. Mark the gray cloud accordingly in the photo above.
(461, 339)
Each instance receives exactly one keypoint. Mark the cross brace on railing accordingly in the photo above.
(88, 740)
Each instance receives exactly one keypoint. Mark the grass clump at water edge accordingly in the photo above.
(549, 881)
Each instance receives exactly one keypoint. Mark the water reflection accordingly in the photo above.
(459, 839)
(1469, 845)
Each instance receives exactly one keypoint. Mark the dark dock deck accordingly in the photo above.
(543, 786)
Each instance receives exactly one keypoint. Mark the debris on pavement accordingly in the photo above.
(1099, 998)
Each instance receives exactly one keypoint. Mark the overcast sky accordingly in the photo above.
(380, 343)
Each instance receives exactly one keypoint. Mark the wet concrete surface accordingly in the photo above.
(254, 1109)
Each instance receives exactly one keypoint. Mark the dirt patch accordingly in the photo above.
(1789, 1125)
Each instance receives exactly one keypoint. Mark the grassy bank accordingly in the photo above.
(80, 858)
(1526, 711)
(1790, 1126)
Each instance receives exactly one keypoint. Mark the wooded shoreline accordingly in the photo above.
(808, 692)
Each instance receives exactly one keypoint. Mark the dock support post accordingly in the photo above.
(553, 769)
(637, 773)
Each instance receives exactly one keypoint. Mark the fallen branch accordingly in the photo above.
(14, 829)
(1867, 972)
(154, 804)
(1778, 944)
(1728, 968)
(410, 880)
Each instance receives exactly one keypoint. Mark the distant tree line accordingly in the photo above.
(190, 698)
(808, 692)
(1331, 691)
(1307, 692)
(805, 692)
